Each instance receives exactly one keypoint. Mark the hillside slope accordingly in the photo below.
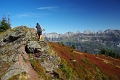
(23, 57)
(89, 66)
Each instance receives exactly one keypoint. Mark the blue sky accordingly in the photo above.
(62, 16)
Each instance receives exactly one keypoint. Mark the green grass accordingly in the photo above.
(22, 76)
(67, 71)
(37, 67)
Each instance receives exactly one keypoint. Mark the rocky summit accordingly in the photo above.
(23, 57)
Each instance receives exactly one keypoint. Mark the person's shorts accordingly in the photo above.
(39, 33)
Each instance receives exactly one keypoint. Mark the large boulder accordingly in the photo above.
(32, 47)
(15, 34)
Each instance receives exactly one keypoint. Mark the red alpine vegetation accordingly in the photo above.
(107, 65)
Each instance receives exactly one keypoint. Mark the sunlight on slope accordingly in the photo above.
(105, 61)
(24, 77)
(117, 66)
(78, 52)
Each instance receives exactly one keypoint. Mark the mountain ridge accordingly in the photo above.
(105, 39)
(86, 32)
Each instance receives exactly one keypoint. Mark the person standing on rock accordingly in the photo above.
(39, 31)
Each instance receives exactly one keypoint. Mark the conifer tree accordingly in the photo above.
(4, 24)
(73, 46)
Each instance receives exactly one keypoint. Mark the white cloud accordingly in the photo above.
(22, 15)
(47, 8)
(31, 15)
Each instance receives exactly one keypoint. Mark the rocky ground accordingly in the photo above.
(21, 54)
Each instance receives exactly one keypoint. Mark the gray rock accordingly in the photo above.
(11, 57)
(20, 40)
(15, 34)
(48, 65)
(13, 70)
(32, 46)
(28, 35)
(2, 50)
(3, 58)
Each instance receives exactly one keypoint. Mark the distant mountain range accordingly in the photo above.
(91, 41)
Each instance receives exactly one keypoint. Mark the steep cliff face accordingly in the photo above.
(22, 57)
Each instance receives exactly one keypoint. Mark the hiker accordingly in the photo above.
(39, 31)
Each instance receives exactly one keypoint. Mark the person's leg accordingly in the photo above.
(38, 33)
(38, 37)
(41, 35)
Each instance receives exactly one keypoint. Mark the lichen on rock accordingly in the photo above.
(19, 47)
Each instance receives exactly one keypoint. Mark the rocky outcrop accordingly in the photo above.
(13, 70)
(18, 48)
(31, 46)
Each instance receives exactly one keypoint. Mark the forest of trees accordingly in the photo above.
(110, 53)
(4, 24)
